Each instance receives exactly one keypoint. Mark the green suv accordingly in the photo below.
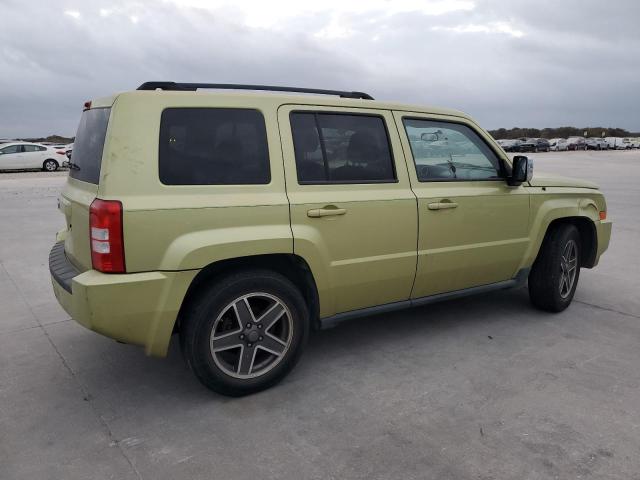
(243, 220)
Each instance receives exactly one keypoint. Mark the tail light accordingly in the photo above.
(106, 235)
(60, 152)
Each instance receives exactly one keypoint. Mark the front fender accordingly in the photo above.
(553, 205)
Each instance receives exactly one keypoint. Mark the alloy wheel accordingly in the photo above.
(251, 336)
(568, 268)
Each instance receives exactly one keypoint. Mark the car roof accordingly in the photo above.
(275, 98)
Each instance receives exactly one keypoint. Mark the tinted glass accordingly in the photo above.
(89, 144)
(449, 151)
(213, 146)
(10, 149)
(336, 148)
(30, 148)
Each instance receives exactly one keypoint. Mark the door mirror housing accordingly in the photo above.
(522, 170)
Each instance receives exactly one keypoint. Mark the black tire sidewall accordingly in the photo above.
(196, 330)
(544, 281)
(56, 166)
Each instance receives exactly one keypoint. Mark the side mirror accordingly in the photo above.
(522, 170)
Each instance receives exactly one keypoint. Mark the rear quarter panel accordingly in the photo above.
(182, 227)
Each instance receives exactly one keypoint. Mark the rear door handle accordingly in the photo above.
(442, 205)
(327, 211)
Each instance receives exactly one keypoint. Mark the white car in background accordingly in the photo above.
(24, 155)
(558, 144)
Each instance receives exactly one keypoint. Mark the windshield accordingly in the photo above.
(88, 145)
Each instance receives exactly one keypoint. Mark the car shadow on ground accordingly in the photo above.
(109, 368)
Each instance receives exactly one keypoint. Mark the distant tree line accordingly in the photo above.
(560, 132)
(51, 138)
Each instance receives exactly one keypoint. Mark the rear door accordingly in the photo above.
(32, 156)
(353, 214)
(82, 185)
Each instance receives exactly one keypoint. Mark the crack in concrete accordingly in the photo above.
(600, 307)
(85, 392)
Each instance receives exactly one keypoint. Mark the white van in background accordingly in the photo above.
(618, 143)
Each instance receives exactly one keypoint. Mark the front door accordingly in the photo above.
(353, 214)
(473, 227)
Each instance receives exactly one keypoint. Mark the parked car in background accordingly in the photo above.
(635, 142)
(595, 143)
(558, 144)
(509, 145)
(24, 155)
(576, 143)
(535, 145)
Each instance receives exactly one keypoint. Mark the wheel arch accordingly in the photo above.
(291, 266)
(588, 237)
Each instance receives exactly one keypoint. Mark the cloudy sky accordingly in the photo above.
(506, 62)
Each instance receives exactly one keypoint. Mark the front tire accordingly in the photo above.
(554, 275)
(50, 165)
(245, 333)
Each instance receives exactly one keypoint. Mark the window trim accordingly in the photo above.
(503, 171)
(316, 113)
(187, 185)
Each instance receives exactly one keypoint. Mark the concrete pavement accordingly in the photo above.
(479, 388)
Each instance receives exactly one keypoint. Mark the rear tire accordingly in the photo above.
(245, 332)
(50, 165)
(554, 275)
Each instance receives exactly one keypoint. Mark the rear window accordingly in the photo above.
(213, 146)
(88, 146)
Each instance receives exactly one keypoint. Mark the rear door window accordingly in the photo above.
(89, 144)
(341, 148)
(213, 146)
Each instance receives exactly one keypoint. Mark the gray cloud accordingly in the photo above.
(507, 63)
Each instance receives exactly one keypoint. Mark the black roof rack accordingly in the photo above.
(190, 87)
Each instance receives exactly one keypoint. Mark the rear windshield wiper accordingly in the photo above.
(71, 165)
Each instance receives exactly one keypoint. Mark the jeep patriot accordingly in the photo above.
(243, 220)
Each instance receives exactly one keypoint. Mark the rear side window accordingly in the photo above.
(341, 148)
(88, 145)
(213, 146)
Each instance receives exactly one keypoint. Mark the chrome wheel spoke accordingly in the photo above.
(271, 316)
(243, 311)
(226, 342)
(245, 361)
(272, 345)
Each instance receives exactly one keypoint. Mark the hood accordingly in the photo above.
(541, 179)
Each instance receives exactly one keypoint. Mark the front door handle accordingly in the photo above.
(328, 211)
(442, 205)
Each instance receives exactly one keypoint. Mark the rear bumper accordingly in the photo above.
(136, 308)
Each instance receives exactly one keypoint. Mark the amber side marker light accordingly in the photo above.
(603, 215)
